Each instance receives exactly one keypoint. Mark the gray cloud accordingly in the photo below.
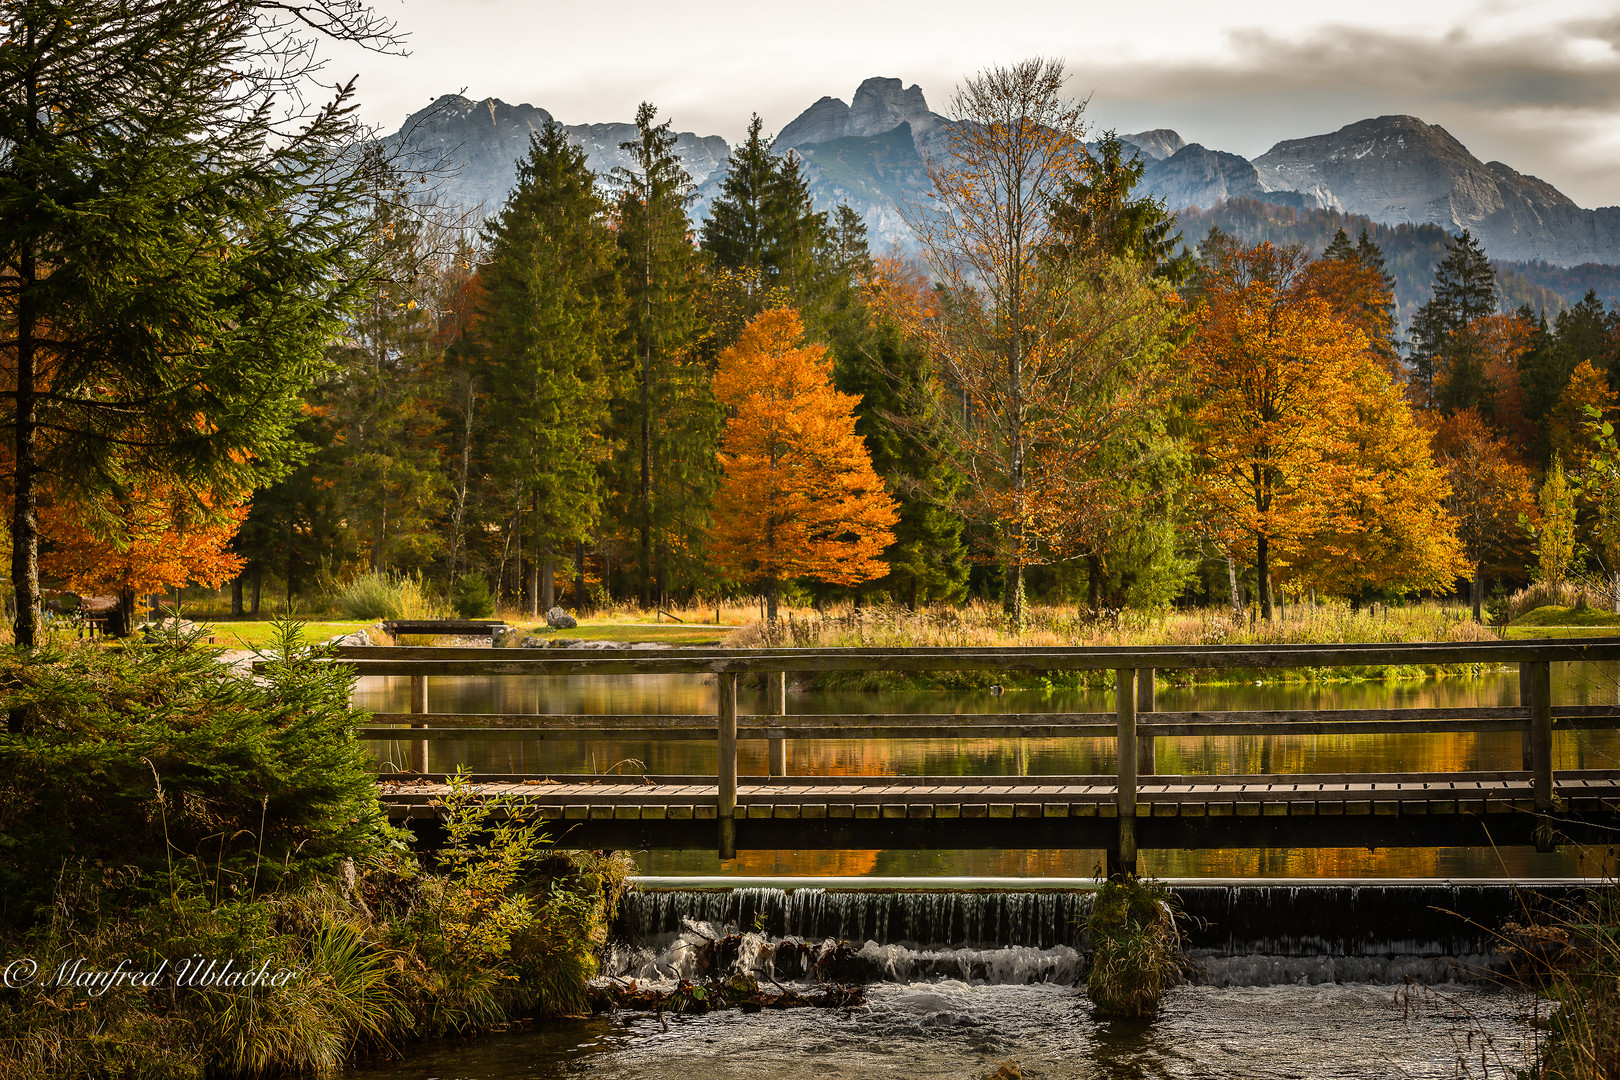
(1532, 102)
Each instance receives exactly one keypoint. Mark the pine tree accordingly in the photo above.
(738, 230)
(893, 378)
(669, 416)
(1464, 291)
(549, 316)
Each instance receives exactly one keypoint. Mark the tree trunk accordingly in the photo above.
(580, 598)
(534, 590)
(548, 582)
(126, 610)
(772, 588)
(236, 595)
(258, 589)
(24, 512)
(1094, 576)
(1262, 571)
(1231, 577)
(911, 599)
(1476, 592)
(1012, 595)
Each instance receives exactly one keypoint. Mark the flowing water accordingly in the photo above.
(1572, 684)
(958, 982)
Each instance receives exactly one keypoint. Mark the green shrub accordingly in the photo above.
(151, 765)
(1136, 949)
(472, 597)
(381, 596)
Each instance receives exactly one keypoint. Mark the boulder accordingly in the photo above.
(358, 637)
(558, 619)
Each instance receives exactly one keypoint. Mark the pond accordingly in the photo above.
(1572, 684)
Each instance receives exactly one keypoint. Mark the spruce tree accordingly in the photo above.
(179, 241)
(668, 414)
(1464, 290)
(737, 232)
(549, 319)
(1099, 212)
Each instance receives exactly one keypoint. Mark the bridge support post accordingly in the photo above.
(726, 806)
(1541, 741)
(1122, 860)
(1527, 755)
(1147, 756)
(776, 691)
(419, 704)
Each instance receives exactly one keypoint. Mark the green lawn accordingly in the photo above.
(1559, 622)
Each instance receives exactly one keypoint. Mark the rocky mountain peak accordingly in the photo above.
(880, 106)
(1157, 144)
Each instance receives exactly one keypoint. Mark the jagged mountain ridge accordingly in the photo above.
(870, 151)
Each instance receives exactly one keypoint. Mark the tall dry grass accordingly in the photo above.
(983, 625)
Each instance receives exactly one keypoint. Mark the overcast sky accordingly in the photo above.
(1536, 85)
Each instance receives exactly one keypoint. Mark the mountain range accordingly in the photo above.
(869, 153)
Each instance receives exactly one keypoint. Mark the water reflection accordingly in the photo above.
(1582, 683)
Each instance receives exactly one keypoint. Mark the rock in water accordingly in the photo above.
(558, 619)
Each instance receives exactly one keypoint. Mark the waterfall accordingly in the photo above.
(1235, 933)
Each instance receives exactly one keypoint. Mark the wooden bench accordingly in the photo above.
(453, 627)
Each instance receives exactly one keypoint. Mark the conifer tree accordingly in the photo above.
(1099, 212)
(668, 416)
(549, 316)
(738, 230)
(1464, 291)
(179, 240)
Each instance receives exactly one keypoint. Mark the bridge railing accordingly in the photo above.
(1134, 723)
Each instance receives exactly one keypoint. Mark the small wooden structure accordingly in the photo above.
(448, 627)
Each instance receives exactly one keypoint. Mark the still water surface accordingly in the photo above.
(1572, 684)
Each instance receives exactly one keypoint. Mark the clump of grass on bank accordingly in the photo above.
(155, 805)
(1571, 955)
(981, 625)
(1555, 615)
(1136, 948)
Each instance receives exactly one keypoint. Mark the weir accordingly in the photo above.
(1235, 931)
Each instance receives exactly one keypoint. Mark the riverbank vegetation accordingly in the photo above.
(162, 812)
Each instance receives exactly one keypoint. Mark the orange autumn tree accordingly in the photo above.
(1310, 462)
(1491, 497)
(151, 541)
(797, 496)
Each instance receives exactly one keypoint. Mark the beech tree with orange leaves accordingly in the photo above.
(1490, 497)
(152, 539)
(798, 496)
(1309, 459)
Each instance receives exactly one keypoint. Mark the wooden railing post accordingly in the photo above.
(1527, 758)
(1147, 756)
(1541, 740)
(1124, 859)
(776, 691)
(419, 704)
(726, 805)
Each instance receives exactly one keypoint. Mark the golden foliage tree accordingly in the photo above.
(151, 540)
(1586, 395)
(1310, 462)
(1490, 495)
(798, 495)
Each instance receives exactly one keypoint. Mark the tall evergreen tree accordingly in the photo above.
(668, 415)
(737, 232)
(549, 321)
(1464, 290)
(179, 241)
(1585, 332)
(1099, 212)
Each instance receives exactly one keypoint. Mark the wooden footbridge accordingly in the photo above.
(1131, 808)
